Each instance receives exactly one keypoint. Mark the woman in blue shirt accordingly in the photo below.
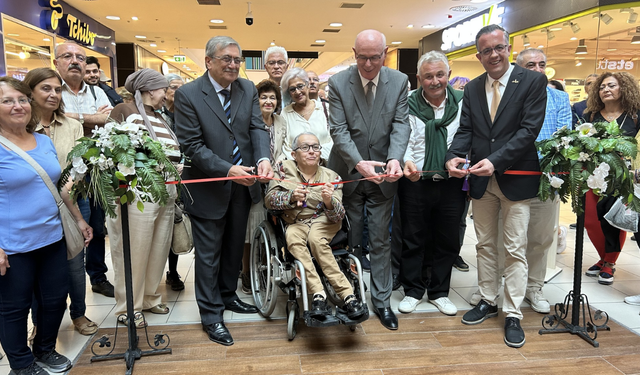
(33, 261)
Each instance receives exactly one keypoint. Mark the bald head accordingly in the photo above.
(370, 50)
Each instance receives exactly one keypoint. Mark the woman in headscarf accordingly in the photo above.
(152, 229)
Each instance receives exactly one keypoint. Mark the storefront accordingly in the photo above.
(32, 28)
(579, 37)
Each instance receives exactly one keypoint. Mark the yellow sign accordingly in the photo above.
(70, 26)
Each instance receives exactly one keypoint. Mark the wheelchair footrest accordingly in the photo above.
(342, 315)
(323, 321)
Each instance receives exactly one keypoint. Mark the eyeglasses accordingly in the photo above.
(274, 62)
(228, 59)
(69, 56)
(305, 148)
(488, 51)
(299, 86)
(174, 87)
(374, 59)
(23, 101)
(610, 86)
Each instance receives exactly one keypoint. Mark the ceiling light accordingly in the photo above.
(575, 28)
(607, 19)
(113, 18)
(46, 39)
(633, 17)
(635, 40)
(216, 21)
(573, 38)
(578, 63)
(525, 41)
(134, 18)
(428, 26)
(396, 42)
(478, 1)
(141, 37)
(22, 55)
(335, 24)
(611, 49)
(153, 45)
(321, 41)
(272, 44)
(515, 52)
(161, 51)
(13, 34)
(555, 28)
(463, 8)
(409, 26)
(540, 46)
(582, 48)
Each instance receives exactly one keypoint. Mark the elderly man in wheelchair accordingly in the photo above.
(313, 212)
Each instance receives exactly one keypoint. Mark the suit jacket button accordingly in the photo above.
(370, 146)
(231, 137)
(493, 140)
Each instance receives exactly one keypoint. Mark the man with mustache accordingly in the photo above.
(276, 63)
(80, 104)
(430, 200)
(221, 131)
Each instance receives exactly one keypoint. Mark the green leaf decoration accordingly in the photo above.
(140, 206)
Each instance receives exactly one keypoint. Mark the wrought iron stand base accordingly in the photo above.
(588, 330)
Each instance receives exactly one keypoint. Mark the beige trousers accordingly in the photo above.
(318, 233)
(150, 235)
(515, 216)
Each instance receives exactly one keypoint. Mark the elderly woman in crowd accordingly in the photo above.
(458, 82)
(33, 259)
(613, 96)
(152, 229)
(46, 86)
(313, 215)
(303, 114)
(175, 81)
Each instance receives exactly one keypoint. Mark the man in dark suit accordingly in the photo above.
(368, 116)
(502, 113)
(220, 128)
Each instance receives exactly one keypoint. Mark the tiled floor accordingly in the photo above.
(184, 310)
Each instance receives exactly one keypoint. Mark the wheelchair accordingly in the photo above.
(272, 267)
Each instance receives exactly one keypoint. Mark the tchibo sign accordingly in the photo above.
(615, 65)
(465, 32)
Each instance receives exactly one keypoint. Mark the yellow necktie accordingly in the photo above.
(496, 99)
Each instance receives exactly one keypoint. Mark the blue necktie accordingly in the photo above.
(237, 159)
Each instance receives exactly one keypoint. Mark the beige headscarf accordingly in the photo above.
(145, 80)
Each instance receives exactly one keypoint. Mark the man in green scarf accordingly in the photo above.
(432, 204)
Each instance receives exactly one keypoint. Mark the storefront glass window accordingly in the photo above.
(26, 49)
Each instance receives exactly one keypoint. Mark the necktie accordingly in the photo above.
(369, 95)
(496, 99)
(237, 159)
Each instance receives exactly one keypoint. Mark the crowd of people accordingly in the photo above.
(418, 159)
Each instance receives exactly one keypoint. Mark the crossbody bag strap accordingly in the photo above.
(43, 175)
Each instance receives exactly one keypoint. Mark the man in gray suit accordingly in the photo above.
(370, 129)
(220, 129)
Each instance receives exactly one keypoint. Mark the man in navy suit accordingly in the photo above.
(502, 113)
(220, 128)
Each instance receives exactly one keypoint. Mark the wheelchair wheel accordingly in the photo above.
(293, 316)
(263, 284)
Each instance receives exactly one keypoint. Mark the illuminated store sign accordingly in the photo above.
(465, 32)
(615, 65)
(69, 25)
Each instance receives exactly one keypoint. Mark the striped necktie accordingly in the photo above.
(237, 159)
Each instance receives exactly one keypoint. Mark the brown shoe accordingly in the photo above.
(85, 326)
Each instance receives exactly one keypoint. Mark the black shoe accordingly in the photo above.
(480, 313)
(460, 265)
(354, 307)
(319, 307)
(32, 369)
(218, 333)
(396, 282)
(53, 361)
(240, 307)
(513, 333)
(387, 317)
(366, 265)
(573, 226)
(173, 280)
(104, 287)
(633, 238)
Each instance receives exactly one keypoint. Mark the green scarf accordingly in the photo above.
(435, 131)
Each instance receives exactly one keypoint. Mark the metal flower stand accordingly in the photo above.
(161, 341)
(582, 321)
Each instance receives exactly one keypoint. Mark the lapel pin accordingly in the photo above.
(515, 81)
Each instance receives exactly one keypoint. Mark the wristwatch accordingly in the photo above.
(81, 118)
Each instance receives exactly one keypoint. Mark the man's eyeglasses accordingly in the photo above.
(374, 59)
(12, 102)
(274, 62)
(299, 86)
(69, 56)
(305, 148)
(228, 59)
(174, 87)
(488, 51)
(610, 86)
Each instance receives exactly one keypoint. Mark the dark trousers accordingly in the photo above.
(612, 243)
(430, 217)
(396, 237)
(219, 247)
(96, 267)
(42, 274)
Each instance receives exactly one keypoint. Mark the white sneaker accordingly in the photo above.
(538, 303)
(562, 240)
(476, 297)
(632, 300)
(408, 304)
(445, 305)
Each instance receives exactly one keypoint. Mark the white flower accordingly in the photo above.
(566, 142)
(127, 127)
(584, 157)
(586, 129)
(79, 165)
(556, 182)
(127, 171)
(595, 182)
